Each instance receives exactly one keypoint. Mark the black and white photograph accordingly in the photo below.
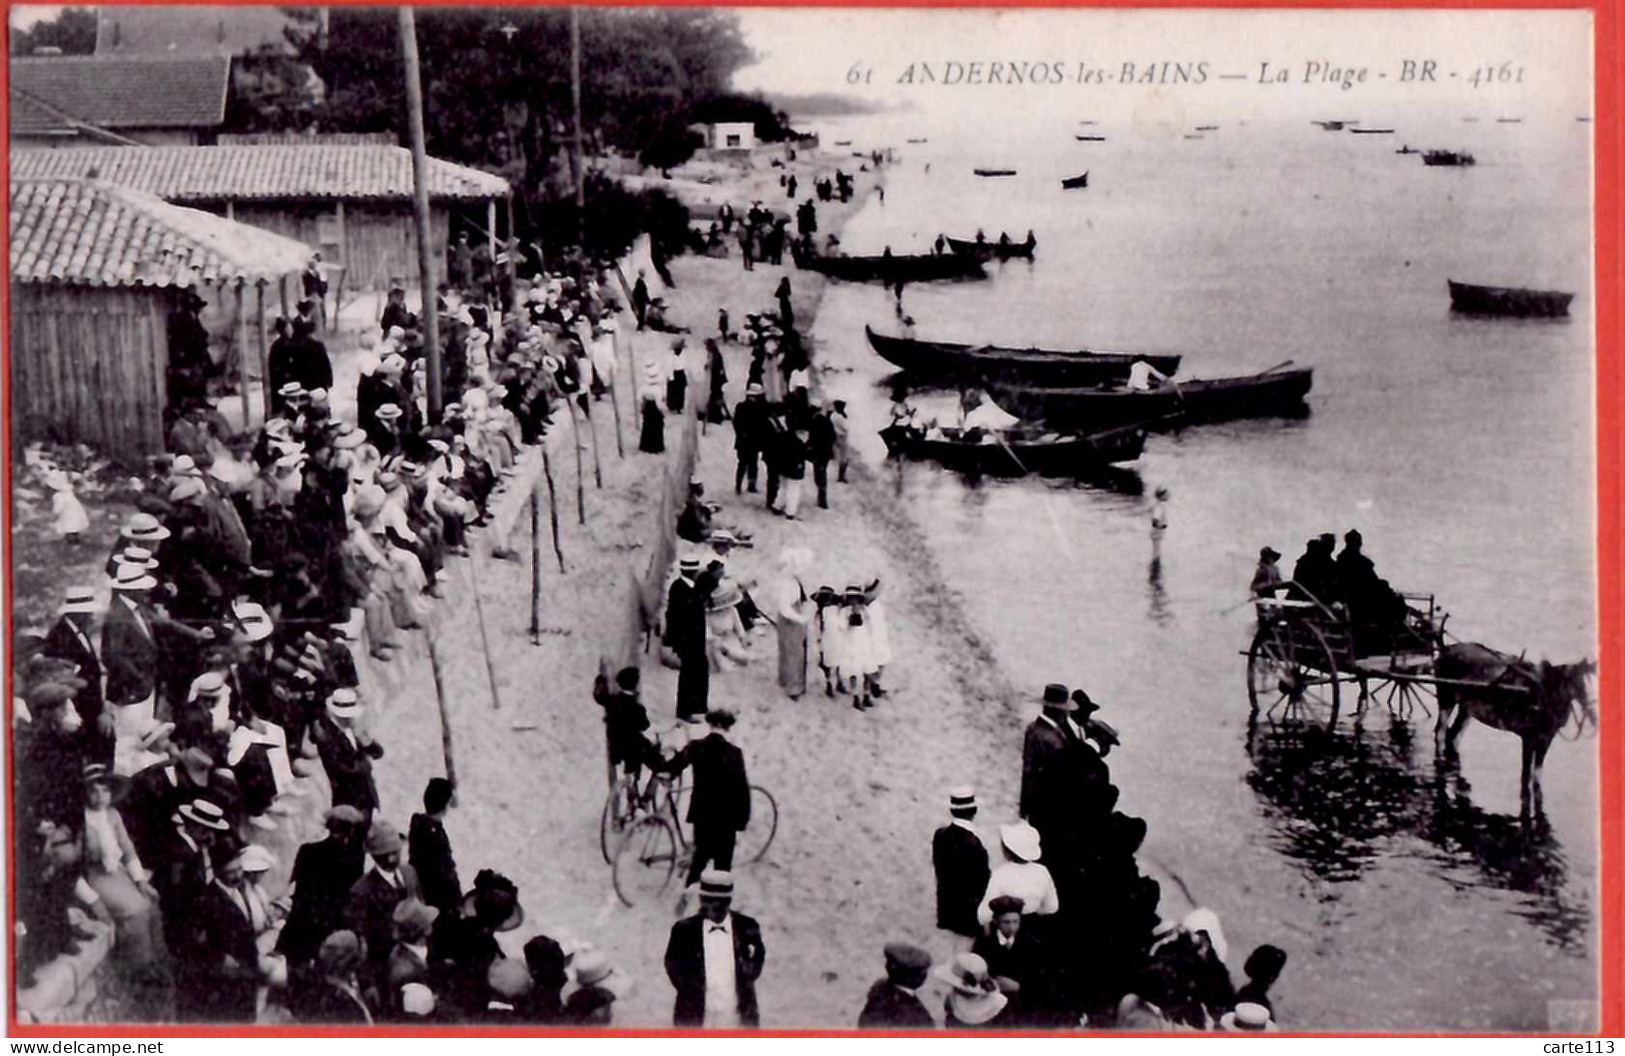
(891, 519)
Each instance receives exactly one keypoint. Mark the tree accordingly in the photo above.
(73, 30)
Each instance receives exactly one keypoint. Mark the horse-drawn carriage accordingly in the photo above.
(1304, 652)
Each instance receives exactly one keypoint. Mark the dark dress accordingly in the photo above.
(652, 438)
(429, 852)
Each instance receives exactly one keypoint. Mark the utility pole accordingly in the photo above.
(575, 106)
(420, 201)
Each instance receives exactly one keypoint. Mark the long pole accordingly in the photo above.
(485, 638)
(536, 564)
(264, 354)
(440, 700)
(575, 442)
(575, 107)
(242, 356)
(553, 508)
(420, 202)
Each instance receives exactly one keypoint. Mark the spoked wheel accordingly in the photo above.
(619, 812)
(1292, 673)
(645, 861)
(764, 823)
(1404, 697)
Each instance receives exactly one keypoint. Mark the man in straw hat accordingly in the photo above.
(69, 639)
(960, 860)
(346, 753)
(598, 985)
(370, 911)
(130, 653)
(713, 960)
(894, 1002)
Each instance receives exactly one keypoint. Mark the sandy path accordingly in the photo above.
(858, 794)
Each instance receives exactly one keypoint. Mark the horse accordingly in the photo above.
(1533, 700)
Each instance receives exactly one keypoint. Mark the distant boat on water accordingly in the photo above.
(1584, 120)
(1088, 122)
(1207, 128)
(921, 139)
(1508, 300)
(1003, 249)
(1372, 131)
(1407, 149)
(1330, 126)
(1458, 159)
(1509, 120)
(1089, 139)
(994, 172)
(843, 142)
(1193, 135)
(1072, 183)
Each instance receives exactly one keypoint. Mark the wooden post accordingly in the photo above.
(575, 441)
(536, 564)
(343, 262)
(241, 335)
(485, 640)
(491, 236)
(440, 699)
(420, 197)
(265, 355)
(282, 289)
(552, 507)
(615, 405)
(592, 429)
(513, 253)
(575, 107)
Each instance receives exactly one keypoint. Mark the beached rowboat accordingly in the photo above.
(1072, 183)
(1021, 451)
(1089, 139)
(907, 267)
(1507, 300)
(994, 172)
(985, 250)
(1275, 393)
(947, 360)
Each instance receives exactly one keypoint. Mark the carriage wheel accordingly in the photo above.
(1405, 697)
(1291, 670)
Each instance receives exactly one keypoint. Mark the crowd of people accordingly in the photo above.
(171, 738)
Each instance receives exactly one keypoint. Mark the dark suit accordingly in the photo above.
(227, 993)
(323, 874)
(960, 860)
(1019, 962)
(889, 1006)
(429, 851)
(720, 807)
(130, 655)
(65, 643)
(685, 967)
(348, 766)
(369, 913)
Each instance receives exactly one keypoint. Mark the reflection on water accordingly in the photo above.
(1340, 800)
(1159, 612)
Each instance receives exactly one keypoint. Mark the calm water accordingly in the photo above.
(1461, 449)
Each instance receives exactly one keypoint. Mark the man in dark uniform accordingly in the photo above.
(429, 849)
(960, 860)
(189, 362)
(640, 298)
(892, 1001)
(750, 425)
(685, 636)
(714, 958)
(69, 639)
(720, 809)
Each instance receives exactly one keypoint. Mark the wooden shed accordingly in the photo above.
(95, 271)
(351, 201)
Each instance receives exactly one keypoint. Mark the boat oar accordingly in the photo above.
(1012, 454)
(1278, 366)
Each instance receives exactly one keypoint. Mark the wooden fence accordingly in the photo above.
(88, 365)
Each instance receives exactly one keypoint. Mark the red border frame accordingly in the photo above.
(1607, 222)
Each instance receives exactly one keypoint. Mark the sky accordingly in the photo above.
(820, 49)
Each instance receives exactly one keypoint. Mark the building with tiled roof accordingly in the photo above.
(96, 270)
(155, 100)
(353, 201)
(142, 29)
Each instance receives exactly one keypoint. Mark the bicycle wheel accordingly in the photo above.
(757, 836)
(645, 861)
(618, 814)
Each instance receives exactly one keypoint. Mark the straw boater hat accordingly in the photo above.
(417, 1000)
(138, 557)
(205, 812)
(1022, 840)
(1248, 1016)
(144, 528)
(252, 620)
(387, 413)
(593, 969)
(343, 703)
(155, 733)
(131, 577)
(974, 998)
(256, 859)
(962, 800)
(78, 599)
(726, 596)
(717, 884)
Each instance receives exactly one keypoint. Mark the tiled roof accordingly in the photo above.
(263, 173)
(141, 91)
(87, 232)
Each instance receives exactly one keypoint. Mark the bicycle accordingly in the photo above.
(656, 840)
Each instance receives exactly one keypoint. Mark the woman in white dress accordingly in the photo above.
(794, 610)
(724, 630)
(856, 662)
(879, 635)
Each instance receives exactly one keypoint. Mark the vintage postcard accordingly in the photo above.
(807, 518)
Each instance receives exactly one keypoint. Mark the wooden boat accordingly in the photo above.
(1022, 450)
(1584, 120)
(1458, 159)
(1509, 120)
(1206, 128)
(920, 140)
(1407, 149)
(1194, 135)
(1072, 183)
(843, 142)
(905, 267)
(947, 360)
(1331, 126)
(994, 172)
(989, 250)
(1274, 393)
(1088, 122)
(1089, 139)
(1372, 131)
(1508, 300)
